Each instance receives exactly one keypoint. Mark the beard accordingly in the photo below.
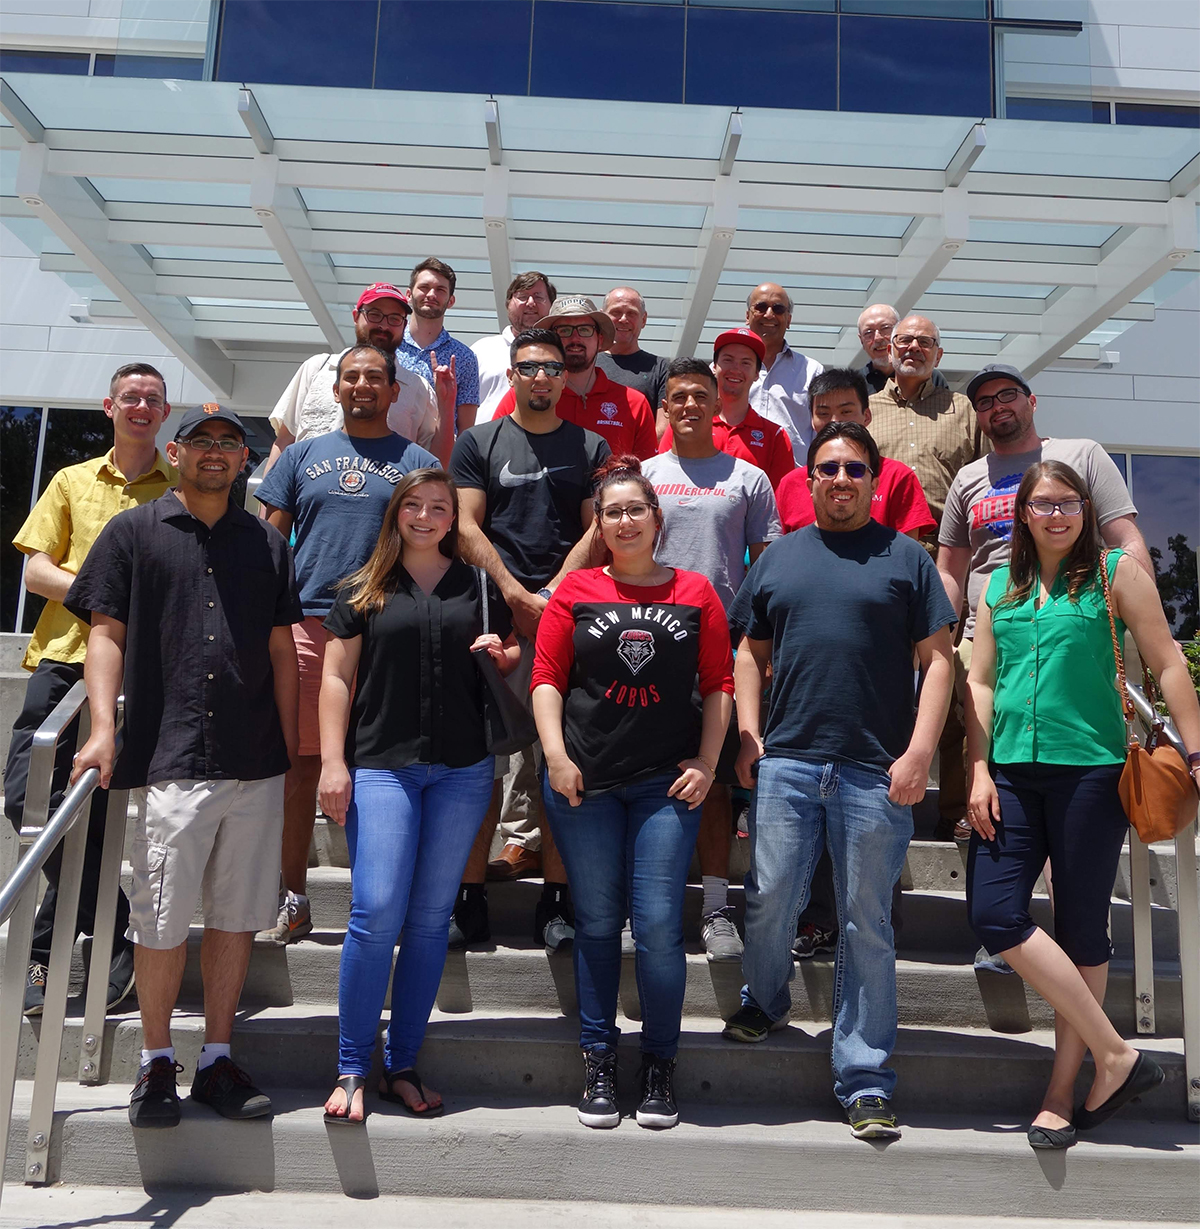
(427, 311)
(578, 361)
(539, 402)
(363, 413)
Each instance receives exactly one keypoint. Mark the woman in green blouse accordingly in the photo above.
(1046, 744)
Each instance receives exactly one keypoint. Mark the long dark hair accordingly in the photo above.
(1081, 564)
(370, 586)
(625, 468)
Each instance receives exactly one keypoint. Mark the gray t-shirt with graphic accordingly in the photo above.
(713, 509)
(979, 506)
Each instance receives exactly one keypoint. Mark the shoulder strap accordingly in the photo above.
(1131, 739)
(481, 576)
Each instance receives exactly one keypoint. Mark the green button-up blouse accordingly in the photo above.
(1056, 699)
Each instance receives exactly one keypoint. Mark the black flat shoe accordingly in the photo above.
(1051, 1139)
(1145, 1075)
(350, 1084)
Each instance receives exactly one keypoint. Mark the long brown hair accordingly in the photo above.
(1081, 564)
(612, 470)
(370, 587)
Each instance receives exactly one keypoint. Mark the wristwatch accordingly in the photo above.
(546, 593)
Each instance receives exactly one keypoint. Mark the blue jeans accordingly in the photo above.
(409, 834)
(799, 808)
(632, 843)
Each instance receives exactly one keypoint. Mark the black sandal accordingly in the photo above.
(409, 1076)
(350, 1084)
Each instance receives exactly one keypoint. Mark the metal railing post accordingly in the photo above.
(94, 1012)
(12, 1008)
(1143, 935)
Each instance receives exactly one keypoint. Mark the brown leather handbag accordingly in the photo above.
(1156, 788)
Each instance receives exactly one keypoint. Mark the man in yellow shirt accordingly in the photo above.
(59, 532)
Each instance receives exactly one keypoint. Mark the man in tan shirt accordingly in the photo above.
(930, 429)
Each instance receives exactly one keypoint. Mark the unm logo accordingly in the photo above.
(608, 409)
(635, 648)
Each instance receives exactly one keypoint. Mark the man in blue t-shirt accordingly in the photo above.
(333, 490)
(836, 610)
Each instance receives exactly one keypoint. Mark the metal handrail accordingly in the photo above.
(18, 901)
(1187, 913)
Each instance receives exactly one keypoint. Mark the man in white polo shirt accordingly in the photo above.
(527, 300)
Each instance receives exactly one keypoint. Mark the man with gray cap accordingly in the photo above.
(976, 527)
(619, 415)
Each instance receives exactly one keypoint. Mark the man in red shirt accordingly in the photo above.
(841, 395)
(738, 429)
(619, 415)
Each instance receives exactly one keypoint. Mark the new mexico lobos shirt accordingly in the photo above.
(627, 659)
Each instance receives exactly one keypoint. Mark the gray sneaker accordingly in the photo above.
(294, 922)
(721, 939)
(985, 963)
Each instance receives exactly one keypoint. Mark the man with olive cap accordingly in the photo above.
(591, 400)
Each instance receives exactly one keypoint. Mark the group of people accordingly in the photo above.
(737, 585)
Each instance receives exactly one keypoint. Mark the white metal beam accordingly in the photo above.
(74, 213)
(1126, 271)
(20, 116)
(708, 264)
(965, 156)
(282, 215)
(495, 231)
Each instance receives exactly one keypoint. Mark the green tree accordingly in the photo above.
(1177, 587)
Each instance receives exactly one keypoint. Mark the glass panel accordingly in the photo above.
(1030, 147)
(936, 67)
(1002, 290)
(165, 192)
(882, 225)
(605, 213)
(151, 25)
(1158, 116)
(163, 66)
(1064, 110)
(622, 51)
(1060, 234)
(423, 204)
(479, 46)
(73, 436)
(742, 58)
(810, 6)
(298, 42)
(960, 9)
(18, 452)
(1119, 460)
(877, 139)
(68, 62)
(168, 251)
(1167, 493)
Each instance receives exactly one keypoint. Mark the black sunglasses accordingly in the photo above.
(854, 469)
(530, 367)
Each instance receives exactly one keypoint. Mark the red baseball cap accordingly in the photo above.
(742, 336)
(382, 290)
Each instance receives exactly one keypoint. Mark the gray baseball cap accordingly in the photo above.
(995, 371)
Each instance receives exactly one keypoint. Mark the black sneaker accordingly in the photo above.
(598, 1107)
(658, 1108)
(814, 941)
(154, 1103)
(227, 1088)
(35, 989)
(120, 978)
(469, 923)
(554, 919)
(750, 1023)
(872, 1118)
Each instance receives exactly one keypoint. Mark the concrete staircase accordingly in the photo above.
(760, 1125)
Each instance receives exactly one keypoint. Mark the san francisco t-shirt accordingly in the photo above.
(627, 658)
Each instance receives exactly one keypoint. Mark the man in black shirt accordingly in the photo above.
(625, 361)
(191, 602)
(524, 488)
(836, 609)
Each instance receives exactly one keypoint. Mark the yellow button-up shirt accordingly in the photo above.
(935, 434)
(65, 521)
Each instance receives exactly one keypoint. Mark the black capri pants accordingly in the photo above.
(1074, 817)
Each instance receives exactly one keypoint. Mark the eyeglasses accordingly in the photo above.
(1005, 397)
(636, 512)
(854, 469)
(130, 401)
(579, 330)
(392, 319)
(770, 309)
(920, 339)
(530, 367)
(202, 443)
(1047, 507)
(883, 330)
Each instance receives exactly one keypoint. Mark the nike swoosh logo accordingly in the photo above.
(508, 478)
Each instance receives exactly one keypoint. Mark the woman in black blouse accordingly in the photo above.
(405, 767)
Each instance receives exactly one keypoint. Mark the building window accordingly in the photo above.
(1062, 110)
(1160, 116)
(166, 67)
(72, 63)
(19, 429)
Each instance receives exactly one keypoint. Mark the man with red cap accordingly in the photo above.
(309, 407)
(738, 429)
(621, 416)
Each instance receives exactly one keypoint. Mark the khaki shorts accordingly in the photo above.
(219, 840)
(311, 639)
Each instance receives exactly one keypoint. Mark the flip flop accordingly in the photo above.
(409, 1076)
(350, 1084)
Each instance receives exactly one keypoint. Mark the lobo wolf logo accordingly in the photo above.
(635, 648)
(608, 409)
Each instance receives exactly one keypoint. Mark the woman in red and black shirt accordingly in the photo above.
(630, 756)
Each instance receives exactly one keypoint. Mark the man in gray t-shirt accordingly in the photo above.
(716, 510)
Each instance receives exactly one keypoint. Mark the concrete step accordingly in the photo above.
(718, 1157)
(524, 1054)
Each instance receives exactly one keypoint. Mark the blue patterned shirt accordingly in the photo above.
(412, 357)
